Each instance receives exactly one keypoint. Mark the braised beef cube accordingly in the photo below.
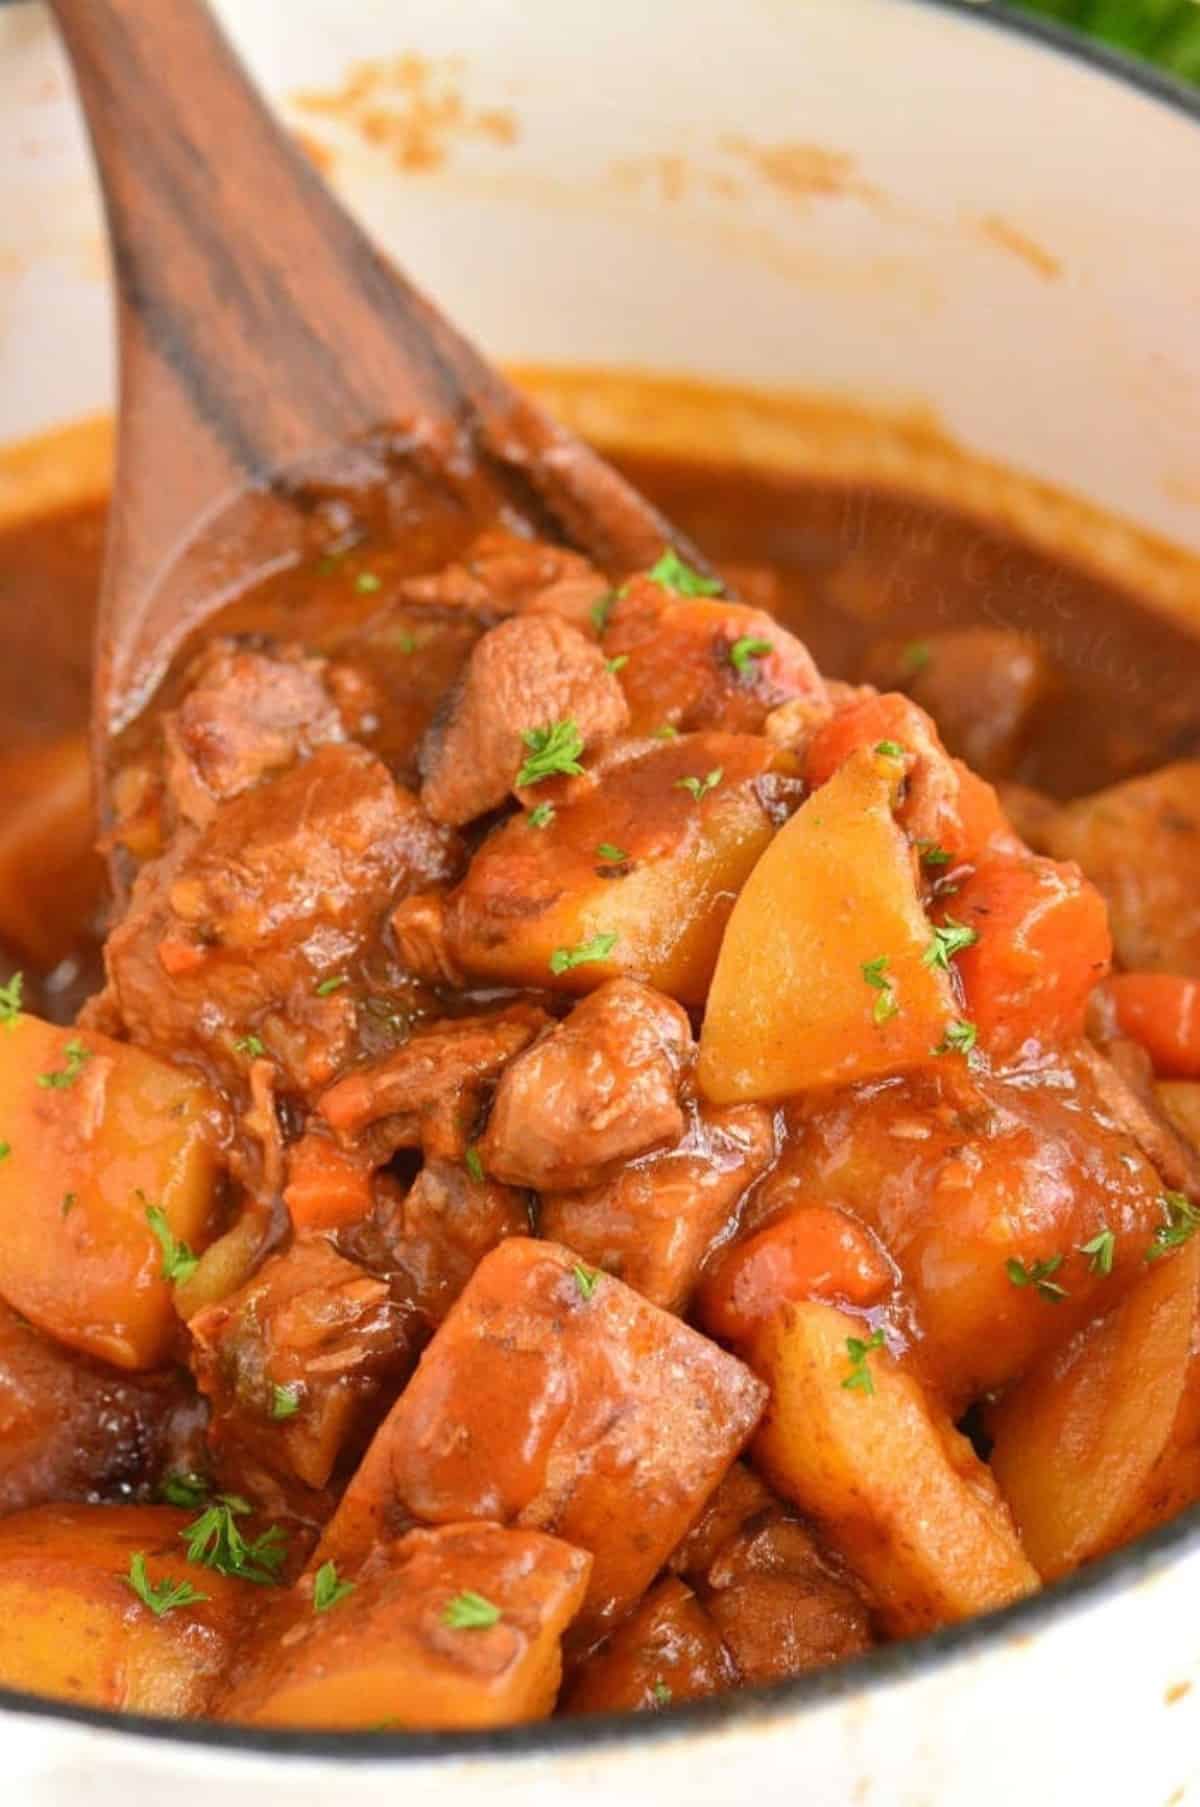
(556, 1396)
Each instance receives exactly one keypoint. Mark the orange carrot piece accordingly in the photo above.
(327, 1187)
(1043, 944)
(1162, 1012)
(813, 1253)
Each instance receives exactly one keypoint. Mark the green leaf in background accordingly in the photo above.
(1166, 32)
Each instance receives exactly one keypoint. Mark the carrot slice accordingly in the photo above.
(1162, 1012)
(327, 1187)
(816, 1252)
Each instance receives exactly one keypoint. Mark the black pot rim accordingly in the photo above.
(894, 1663)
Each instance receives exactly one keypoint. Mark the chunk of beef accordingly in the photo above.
(1139, 843)
(781, 1604)
(653, 1223)
(696, 662)
(301, 1362)
(666, 1652)
(430, 1092)
(983, 687)
(238, 929)
(420, 930)
(429, 1242)
(525, 674)
(600, 1089)
(962, 1175)
(74, 1429)
(561, 1399)
(245, 715)
(1124, 1080)
(502, 573)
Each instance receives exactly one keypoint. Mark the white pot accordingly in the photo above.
(1007, 245)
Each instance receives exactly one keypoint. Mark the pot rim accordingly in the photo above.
(892, 1663)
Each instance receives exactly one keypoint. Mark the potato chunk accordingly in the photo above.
(391, 1653)
(822, 977)
(1102, 1440)
(97, 1134)
(895, 1488)
(688, 820)
(72, 1627)
(555, 1396)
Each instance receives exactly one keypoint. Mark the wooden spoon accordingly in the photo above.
(266, 348)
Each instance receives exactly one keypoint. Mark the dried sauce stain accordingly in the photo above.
(803, 172)
(410, 107)
(319, 154)
(1007, 237)
(1176, 1692)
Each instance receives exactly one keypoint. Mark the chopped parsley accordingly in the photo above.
(959, 1037)
(860, 1378)
(668, 731)
(552, 751)
(77, 1057)
(69, 1202)
(10, 1000)
(890, 749)
(609, 855)
(541, 815)
(601, 609)
(333, 984)
(184, 1487)
(662, 1694)
(949, 938)
(366, 583)
(214, 1541)
(885, 1006)
(598, 948)
(251, 1045)
(700, 787)
(915, 657)
(473, 1164)
(178, 1262)
(932, 855)
(617, 664)
(744, 652)
(1180, 1222)
(586, 1279)
(5, 1150)
(285, 1401)
(162, 1596)
(469, 1611)
(327, 1589)
(671, 573)
(1100, 1251)
(1038, 1275)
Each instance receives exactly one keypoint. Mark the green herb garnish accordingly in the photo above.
(932, 855)
(949, 938)
(469, 1611)
(744, 652)
(700, 787)
(10, 1000)
(860, 1378)
(553, 751)
(77, 1058)
(285, 1401)
(214, 1541)
(609, 855)
(473, 1164)
(959, 1037)
(885, 1006)
(541, 815)
(184, 1488)
(251, 1045)
(617, 664)
(1100, 1251)
(672, 574)
(327, 1589)
(1180, 1222)
(915, 657)
(178, 1262)
(890, 749)
(586, 1279)
(366, 583)
(332, 984)
(1037, 1275)
(598, 948)
(601, 609)
(162, 1596)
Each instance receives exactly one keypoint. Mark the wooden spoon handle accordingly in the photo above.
(261, 331)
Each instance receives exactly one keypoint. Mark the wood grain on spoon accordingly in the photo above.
(260, 331)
